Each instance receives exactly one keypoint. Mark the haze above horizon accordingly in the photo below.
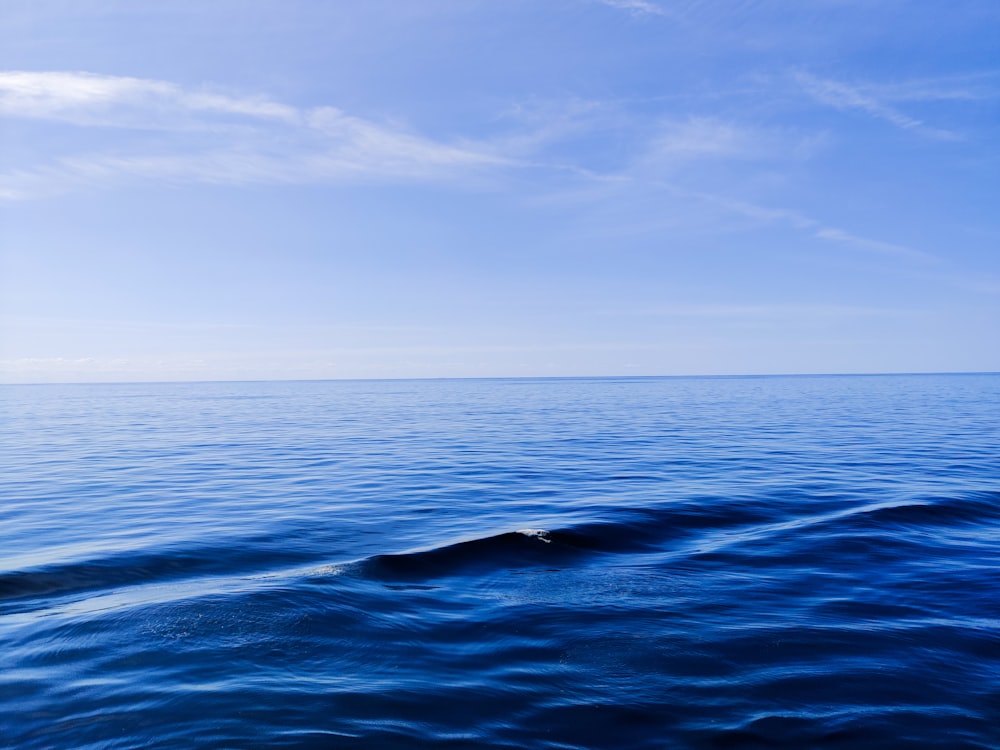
(256, 190)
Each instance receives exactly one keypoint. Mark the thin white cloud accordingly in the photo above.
(764, 214)
(120, 101)
(242, 140)
(274, 143)
(820, 231)
(831, 234)
(541, 122)
(801, 222)
(843, 96)
(968, 87)
(699, 137)
(390, 151)
(674, 143)
(348, 162)
(637, 7)
(765, 311)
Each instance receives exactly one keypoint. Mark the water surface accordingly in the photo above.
(780, 562)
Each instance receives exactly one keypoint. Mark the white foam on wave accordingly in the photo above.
(541, 534)
(327, 570)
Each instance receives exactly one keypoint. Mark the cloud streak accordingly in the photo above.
(831, 234)
(120, 101)
(265, 142)
(758, 311)
(807, 224)
(843, 96)
(277, 144)
(636, 7)
(700, 137)
(221, 139)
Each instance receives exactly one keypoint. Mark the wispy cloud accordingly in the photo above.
(764, 214)
(272, 142)
(221, 138)
(662, 148)
(347, 161)
(966, 87)
(278, 144)
(765, 311)
(390, 151)
(637, 7)
(798, 221)
(699, 137)
(540, 122)
(831, 234)
(119, 101)
(844, 96)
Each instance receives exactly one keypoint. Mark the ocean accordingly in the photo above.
(728, 562)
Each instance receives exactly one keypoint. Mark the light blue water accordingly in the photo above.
(786, 562)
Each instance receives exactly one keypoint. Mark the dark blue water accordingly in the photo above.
(808, 562)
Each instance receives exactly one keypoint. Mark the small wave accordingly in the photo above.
(905, 522)
(139, 567)
(971, 508)
(631, 531)
(526, 548)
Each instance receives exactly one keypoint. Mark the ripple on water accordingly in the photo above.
(692, 563)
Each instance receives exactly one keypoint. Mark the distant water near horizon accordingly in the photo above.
(760, 562)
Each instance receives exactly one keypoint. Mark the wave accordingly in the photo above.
(700, 527)
(728, 523)
(631, 531)
(970, 509)
(512, 549)
(140, 567)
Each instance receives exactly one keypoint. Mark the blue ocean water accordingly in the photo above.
(768, 562)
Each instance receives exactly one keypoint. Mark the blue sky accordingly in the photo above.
(235, 189)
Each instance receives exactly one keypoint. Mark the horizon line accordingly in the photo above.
(705, 376)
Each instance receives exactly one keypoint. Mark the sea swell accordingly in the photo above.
(628, 595)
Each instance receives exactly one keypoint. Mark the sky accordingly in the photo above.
(242, 190)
